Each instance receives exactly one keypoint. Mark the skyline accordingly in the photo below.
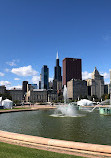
(29, 71)
(31, 33)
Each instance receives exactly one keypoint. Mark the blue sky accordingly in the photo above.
(32, 31)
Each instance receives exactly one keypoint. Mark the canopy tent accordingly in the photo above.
(7, 104)
(0, 101)
(84, 102)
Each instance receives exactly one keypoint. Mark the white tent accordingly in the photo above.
(84, 102)
(7, 104)
(0, 101)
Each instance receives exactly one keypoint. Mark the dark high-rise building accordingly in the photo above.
(57, 75)
(57, 70)
(44, 77)
(40, 82)
(72, 69)
(32, 86)
(24, 88)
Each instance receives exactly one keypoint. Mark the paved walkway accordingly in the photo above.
(61, 146)
(28, 108)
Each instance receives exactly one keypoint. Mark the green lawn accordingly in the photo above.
(14, 151)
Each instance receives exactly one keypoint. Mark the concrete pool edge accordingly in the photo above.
(28, 108)
(69, 147)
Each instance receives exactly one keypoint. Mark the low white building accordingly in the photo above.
(85, 102)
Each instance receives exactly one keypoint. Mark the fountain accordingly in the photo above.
(105, 109)
(87, 105)
(105, 102)
(66, 110)
(94, 108)
(65, 94)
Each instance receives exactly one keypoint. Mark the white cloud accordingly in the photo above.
(106, 75)
(12, 63)
(107, 82)
(7, 70)
(86, 75)
(24, 71)
(50, 79)
(14, 87)
(36, 79)
(16, 79)
(2, 74)
(6, 83)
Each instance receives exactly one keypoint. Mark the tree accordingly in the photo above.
(95, 97)
(5, 96)
(105, 96)
(17, 102)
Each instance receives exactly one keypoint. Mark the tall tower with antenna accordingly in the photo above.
(57, 70)
(57, 82)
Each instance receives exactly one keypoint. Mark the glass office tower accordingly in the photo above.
(44, 77)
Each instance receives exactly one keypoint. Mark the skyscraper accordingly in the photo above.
(57, 82)
(40, 82)
(72, 69)
(57, 70)
(96, 84)
(24, 88)
(44, 77)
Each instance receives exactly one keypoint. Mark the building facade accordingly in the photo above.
(32, 86)
(16, 94)
(44, 77)
(52, 95)
(72, 69)
(109, 86)
(76, 89)
(106, 89)
(50, 85)
(37, 95)
(96, 84)
(2, 89)
(41, 95)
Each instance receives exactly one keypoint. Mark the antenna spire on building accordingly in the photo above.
(57, 57)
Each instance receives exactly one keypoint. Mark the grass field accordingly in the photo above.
(14, 151)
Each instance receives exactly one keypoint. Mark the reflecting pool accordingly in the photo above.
(91, 127)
